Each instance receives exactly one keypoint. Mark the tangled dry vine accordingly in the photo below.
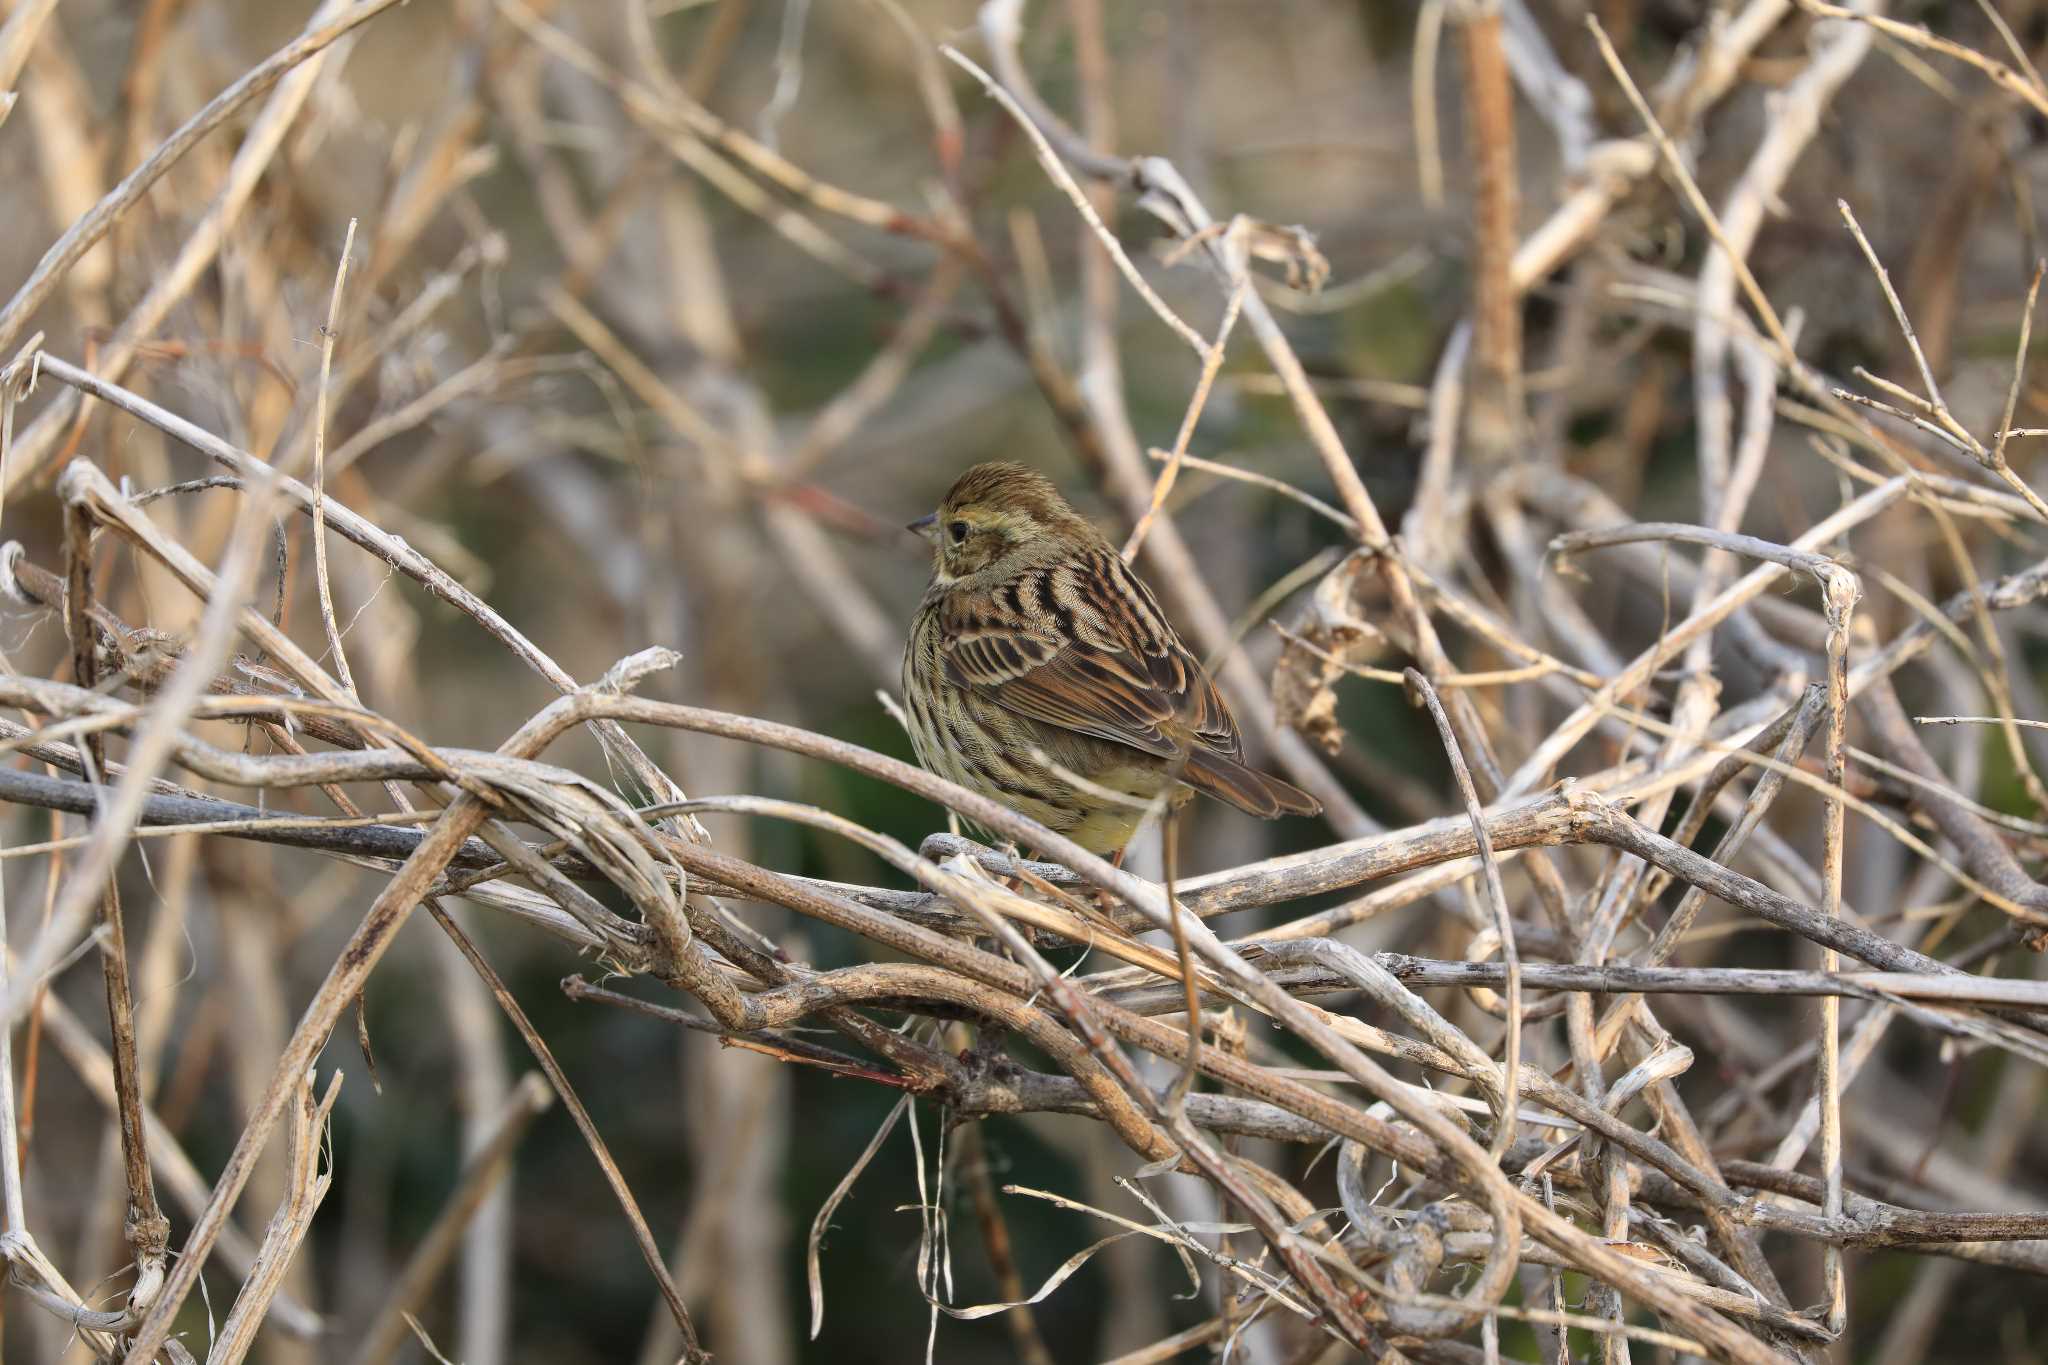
(1396, 1153)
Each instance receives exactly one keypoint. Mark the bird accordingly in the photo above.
(1037, 656)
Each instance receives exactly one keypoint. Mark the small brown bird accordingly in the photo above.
(1036, 653)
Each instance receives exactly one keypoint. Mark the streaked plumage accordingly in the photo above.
(1035, 638)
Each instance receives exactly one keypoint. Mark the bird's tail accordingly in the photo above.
(1251, 791)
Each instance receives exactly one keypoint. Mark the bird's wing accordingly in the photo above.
(1081, 645)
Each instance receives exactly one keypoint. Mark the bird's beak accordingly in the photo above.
(924, 525)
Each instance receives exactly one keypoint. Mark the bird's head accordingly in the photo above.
(1001, 517)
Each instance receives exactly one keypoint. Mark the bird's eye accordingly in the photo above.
(957, 530)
